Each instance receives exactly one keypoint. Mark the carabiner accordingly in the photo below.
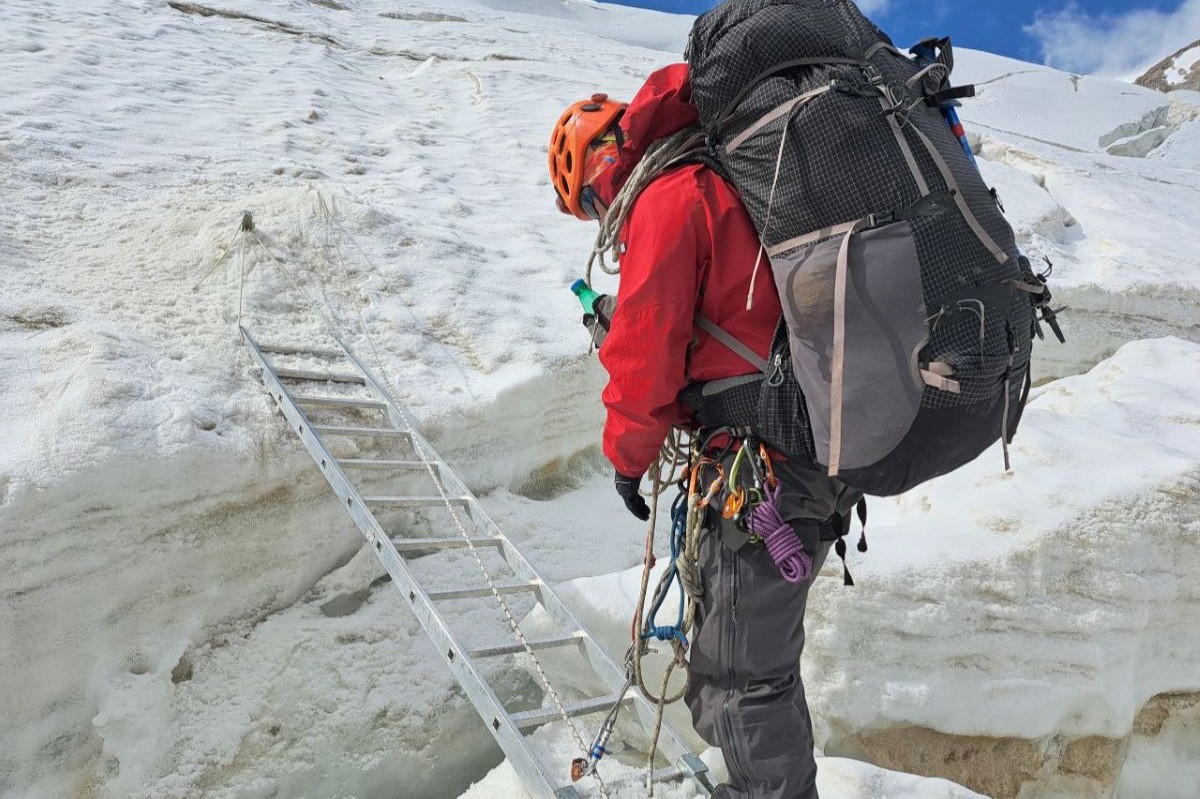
(772, 481)
(735, 503)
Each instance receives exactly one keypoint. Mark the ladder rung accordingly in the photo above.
(668, 774)
(379, 463)
(535, 644)
(374, 432)
(536, 718)
(284, 349)
(320, 377)
(661, 775)
(340, 402)
(502, 588)
(416, 502)
(418, 544)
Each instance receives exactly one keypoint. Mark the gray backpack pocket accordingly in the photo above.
(857, 324)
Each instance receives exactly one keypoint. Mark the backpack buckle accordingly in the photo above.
(881, 219)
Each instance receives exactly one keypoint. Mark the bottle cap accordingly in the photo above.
(578, 286)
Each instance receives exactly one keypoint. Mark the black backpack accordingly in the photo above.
(908, 313)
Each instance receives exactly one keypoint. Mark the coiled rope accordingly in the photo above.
(659, 157)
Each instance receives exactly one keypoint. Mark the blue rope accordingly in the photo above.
(678, 534)
(665, 634)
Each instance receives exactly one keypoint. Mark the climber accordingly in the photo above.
(689, 251)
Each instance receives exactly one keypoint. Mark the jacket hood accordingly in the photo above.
(662, 106)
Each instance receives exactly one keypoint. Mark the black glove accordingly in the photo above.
(627, 487)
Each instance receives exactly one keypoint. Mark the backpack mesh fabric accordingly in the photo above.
(860, 190)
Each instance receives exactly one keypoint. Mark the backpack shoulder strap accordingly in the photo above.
(703, 156)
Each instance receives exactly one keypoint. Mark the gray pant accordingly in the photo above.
(746, 695)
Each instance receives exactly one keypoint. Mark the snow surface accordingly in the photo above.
(171, 623)
(837, 777)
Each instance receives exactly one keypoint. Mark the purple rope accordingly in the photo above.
(782, 542)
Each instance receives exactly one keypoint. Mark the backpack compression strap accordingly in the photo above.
(720, 334)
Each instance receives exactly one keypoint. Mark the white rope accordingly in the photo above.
(331, 224)
(667, 470)
(658, 158)
(220, 259)
(241, 277)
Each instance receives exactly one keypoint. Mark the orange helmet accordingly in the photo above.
(581, 127)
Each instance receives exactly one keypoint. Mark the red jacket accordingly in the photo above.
(688, 246)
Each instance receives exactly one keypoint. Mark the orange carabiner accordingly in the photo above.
(734, 503)
(770, 467)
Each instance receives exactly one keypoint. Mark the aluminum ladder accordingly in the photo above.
(398, 555)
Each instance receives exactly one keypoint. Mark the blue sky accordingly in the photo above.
(1113, 37)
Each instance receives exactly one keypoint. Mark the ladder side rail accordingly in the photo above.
(611, 672)
(511, 739)
(300, 424)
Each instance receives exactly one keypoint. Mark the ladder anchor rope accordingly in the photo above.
(687, 524)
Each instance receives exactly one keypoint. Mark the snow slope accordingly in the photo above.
(149, 499)
(155, 520)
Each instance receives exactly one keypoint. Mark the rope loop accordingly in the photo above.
(674, 466)
(670, 633)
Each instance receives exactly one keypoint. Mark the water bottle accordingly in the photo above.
(597, 310)
(587, 297)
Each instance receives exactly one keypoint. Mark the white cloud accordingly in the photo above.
(1120, 45)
